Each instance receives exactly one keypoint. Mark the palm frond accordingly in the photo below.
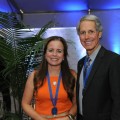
(17, 52)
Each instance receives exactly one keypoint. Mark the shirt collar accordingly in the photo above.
(94, 54)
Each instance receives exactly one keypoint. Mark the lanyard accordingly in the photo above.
(54, 100)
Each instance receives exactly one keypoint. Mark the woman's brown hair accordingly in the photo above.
(67, 77)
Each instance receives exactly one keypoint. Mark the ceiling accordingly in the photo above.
(37, 6)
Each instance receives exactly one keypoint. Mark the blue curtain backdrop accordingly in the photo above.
(67, 14)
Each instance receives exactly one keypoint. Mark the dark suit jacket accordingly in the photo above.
(101, 98)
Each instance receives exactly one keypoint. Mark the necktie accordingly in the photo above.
(86, 71)
(86, 66)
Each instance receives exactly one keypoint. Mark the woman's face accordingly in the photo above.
(54, 53)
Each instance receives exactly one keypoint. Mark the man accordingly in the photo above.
(98, 92)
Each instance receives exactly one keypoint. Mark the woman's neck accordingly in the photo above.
(54, 71)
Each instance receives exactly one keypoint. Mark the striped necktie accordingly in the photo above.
(86, 66)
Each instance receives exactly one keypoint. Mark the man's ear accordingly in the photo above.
(100, 34)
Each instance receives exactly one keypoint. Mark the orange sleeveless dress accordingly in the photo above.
(43, 104)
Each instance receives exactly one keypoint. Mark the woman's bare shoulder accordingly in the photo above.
(31, 75)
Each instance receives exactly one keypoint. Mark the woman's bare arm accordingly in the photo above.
(27, 98)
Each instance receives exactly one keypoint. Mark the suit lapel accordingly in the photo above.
(95, 66)
(80, 65)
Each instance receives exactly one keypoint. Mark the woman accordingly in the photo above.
(53, 85)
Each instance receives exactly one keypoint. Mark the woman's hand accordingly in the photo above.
(63, 118)
(44, 119)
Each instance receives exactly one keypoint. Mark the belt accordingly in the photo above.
(55, 116)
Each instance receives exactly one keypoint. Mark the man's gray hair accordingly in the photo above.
(93, 18)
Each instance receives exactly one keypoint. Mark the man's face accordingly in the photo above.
(89, 37)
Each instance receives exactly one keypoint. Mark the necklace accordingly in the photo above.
(54, 83)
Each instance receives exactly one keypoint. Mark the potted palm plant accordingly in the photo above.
(16, 54)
